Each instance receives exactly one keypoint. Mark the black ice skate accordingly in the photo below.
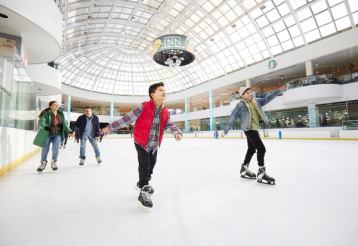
(145, 202)
(246, 173)
(42, 166)
(150, 190)
(262, 177)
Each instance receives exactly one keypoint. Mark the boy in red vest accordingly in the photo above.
(151, 120)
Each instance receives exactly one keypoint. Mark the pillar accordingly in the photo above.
(313, 115)
(111, 112)
(309, 68)
(68, 103)
(187, 110)
(211, 111)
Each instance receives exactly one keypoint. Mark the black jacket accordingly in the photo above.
(81, 126)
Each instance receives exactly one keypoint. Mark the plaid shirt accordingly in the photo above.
(153, 141)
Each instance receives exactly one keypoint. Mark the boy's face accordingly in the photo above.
(247, 95)
(159, 94)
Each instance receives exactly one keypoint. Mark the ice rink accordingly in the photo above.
(199, 199)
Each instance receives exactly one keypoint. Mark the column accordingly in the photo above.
(313, 115)
(111, 112)
(187, 110)
(68, 109)
(309, 68)
(248, 83)
(211, 111)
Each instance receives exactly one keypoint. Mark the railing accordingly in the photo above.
(350, 124)
(322, 79)
(312, 80)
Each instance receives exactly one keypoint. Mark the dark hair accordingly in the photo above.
(46, 109)
(88, 107)
(154, 87)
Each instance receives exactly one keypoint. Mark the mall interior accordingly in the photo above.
(105, 54)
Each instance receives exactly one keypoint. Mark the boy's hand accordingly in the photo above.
(283, 87)
(178, 136)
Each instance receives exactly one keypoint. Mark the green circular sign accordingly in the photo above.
(272, 64)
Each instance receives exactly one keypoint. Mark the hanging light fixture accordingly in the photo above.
(173, 50)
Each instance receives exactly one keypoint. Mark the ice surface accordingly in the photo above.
(199, 200)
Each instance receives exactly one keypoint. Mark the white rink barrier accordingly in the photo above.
(16, 145)
(286, 133)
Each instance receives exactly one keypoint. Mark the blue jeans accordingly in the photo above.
(55, 140)
(83, 147)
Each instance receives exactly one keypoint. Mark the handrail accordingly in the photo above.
(349, 124)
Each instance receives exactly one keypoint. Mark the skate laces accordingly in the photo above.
(145, 195)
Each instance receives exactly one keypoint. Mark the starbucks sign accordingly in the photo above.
(272, 64)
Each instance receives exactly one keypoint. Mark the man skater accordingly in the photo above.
(250, 114)
(87, 128)
(151, 120)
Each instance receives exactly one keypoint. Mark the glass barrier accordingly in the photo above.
(17, 102)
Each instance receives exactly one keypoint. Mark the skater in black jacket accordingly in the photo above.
(87, 128)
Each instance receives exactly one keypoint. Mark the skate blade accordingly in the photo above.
(144, 208)
(266, 182)
(246, 177)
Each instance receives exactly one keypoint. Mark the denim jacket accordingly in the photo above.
(242, 111)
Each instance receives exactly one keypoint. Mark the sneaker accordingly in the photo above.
(42, 166)
(149, 188)
(99, 160)
(144, 199)
(54, 165)
(82, 162)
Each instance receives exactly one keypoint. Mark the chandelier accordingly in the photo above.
(173, 50)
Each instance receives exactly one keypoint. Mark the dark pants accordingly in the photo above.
(254, 143)
(146, 164)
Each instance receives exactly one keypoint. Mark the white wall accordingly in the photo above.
(318, 94)
(14, 144)
(40, 25)
(45, 78)
(298, 97)
(102, 118)
(44, 13)
(287, 133)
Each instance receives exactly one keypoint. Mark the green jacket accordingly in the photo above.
(45, 120)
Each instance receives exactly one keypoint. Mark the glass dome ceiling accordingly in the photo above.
(108, 43)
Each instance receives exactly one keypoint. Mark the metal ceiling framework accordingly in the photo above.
(108, 43)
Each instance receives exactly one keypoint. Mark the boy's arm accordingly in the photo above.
(270, 96)
(126, 120)
(234, 115)
(172, 127)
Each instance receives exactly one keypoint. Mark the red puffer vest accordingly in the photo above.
(144, 123)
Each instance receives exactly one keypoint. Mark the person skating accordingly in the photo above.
(151, 120)
(52, 120)
(87, 128)
(248, 110)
